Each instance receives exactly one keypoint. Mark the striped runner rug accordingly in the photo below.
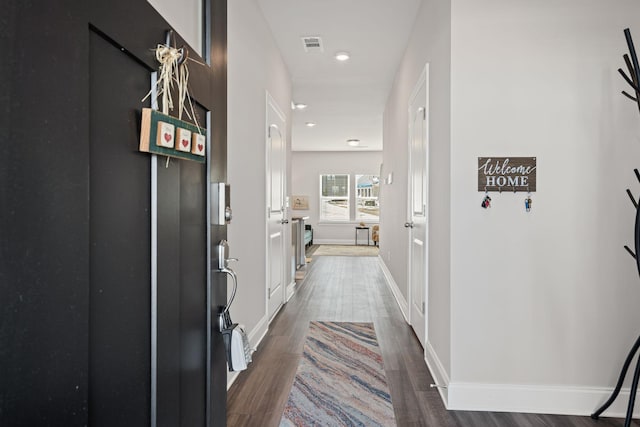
(340, 380)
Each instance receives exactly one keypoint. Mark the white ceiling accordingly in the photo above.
(345, 100)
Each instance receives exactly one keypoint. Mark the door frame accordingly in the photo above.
(270, 103)
(423, 79)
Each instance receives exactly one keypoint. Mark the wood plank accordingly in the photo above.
(354, 289)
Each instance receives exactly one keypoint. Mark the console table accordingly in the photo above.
(297, 228)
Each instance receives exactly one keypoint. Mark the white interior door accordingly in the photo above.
(276, 213)
(417, 208)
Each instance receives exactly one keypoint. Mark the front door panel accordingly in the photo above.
(120, 242)
(78, 270)
(173, 351)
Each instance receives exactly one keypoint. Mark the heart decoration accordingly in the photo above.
(169, 136)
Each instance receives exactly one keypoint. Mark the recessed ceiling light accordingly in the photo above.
(342, 56)
(353, 142)
(310, 124)
(299, 106)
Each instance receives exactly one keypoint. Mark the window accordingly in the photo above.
(334, 198)
(367, 192)
(336, 201)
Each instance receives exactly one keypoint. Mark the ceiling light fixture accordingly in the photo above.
(353, 142)
(299, 106)
(310, 124)
(342, 56)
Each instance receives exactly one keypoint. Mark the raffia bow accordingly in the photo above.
(173, 70)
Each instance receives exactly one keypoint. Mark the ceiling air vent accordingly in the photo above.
(312, 44)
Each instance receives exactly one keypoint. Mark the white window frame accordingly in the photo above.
(357, 198)
(347, 198)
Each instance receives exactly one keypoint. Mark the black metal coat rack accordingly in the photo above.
(632, 79)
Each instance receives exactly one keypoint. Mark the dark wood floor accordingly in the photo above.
(354, 289)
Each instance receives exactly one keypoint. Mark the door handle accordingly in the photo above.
(408, 224)
(284, 221)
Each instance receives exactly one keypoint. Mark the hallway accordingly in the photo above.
(354, 289)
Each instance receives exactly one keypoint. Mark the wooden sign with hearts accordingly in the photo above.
(168, 136)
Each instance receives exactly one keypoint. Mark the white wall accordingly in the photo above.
(527, 311)
(429, 43)
(544, 305)
(306, 168)
(186, 17)
(254, 67)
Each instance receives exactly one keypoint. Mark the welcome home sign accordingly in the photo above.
(507, 174)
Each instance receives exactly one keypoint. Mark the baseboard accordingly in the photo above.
(431, 359)
(255, 338)
(350, 242)
(259, 331)
(438, 372)
(291, 289)
(581, 401)
(535, 399)
(395, 290)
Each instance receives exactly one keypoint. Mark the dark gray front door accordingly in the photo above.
(91, 332)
